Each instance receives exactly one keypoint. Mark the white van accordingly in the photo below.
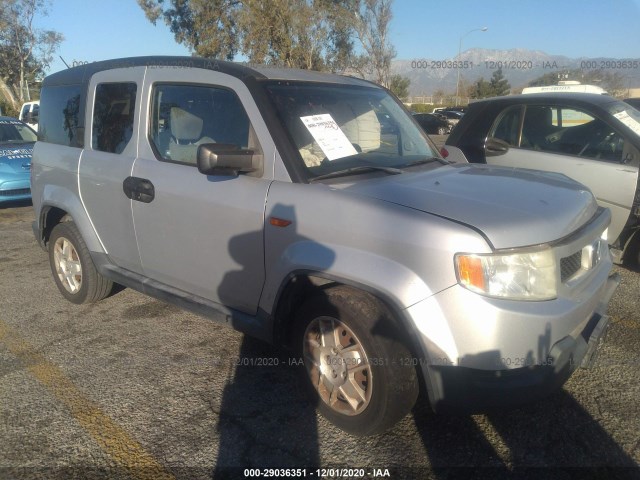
(29, 113)
(567, 86)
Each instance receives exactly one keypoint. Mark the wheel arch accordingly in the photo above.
(50, 216)
(53, 211)
(301, 284)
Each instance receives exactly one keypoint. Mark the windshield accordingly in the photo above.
(338, 127)
(14, 131)
(626, 114)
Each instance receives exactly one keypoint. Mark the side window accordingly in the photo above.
(537, 127)
(24, 112)
(507, 127)
(569, 117)
(187, 116)
(113, 113)
(60, 117)
(570, 131)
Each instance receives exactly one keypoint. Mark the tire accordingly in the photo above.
(73, 270)
(442, 131)
(632, 255)
(357, 366)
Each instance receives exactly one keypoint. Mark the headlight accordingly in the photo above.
(513, 276)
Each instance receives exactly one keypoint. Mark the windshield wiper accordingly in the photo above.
(424, 161)
(353, 170)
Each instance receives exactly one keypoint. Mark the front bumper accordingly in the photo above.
(15, 190)
(482, 381)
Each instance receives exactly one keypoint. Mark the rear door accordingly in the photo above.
(574, 142)
(107, 159)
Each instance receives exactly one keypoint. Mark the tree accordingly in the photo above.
(371, 19)
(480, 89)
(25, 51)
(290, 33)
(310, 34)
(498, 85)
(399, 85)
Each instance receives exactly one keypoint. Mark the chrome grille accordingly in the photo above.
(570, 265)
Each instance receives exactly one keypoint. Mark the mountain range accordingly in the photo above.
(519, 67)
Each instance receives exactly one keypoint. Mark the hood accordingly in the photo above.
(512, 207)
(15, 158)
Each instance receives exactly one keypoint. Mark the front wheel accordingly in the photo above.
(358, 368)
(73, 270)
(442, 131)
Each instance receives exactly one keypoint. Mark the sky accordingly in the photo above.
(427, 29)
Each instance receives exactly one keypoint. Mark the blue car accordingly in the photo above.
(16, 148)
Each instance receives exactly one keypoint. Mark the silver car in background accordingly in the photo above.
(594, 139)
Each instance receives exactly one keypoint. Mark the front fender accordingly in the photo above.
(379, 275)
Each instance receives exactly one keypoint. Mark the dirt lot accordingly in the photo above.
(134, 388)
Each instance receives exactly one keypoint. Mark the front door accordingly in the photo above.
(201, 234)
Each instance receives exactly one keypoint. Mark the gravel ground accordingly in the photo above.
(135, 388)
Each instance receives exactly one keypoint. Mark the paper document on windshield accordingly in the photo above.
(326, 132)
(629, 121)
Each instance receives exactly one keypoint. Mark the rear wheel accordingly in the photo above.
(73, 270)
(442, 131)
(357, 366)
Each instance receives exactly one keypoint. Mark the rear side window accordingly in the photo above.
(113, 113)
(60, 115)
(569, 117)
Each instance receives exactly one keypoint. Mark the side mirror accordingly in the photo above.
(226, 159)
(494, 147)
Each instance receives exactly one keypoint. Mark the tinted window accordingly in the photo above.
(113, 111)
(507, 127)
(570, 131)
(187, 116)
(59, 118)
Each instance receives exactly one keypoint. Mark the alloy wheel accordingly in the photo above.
(338, 366)
(67, 265)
